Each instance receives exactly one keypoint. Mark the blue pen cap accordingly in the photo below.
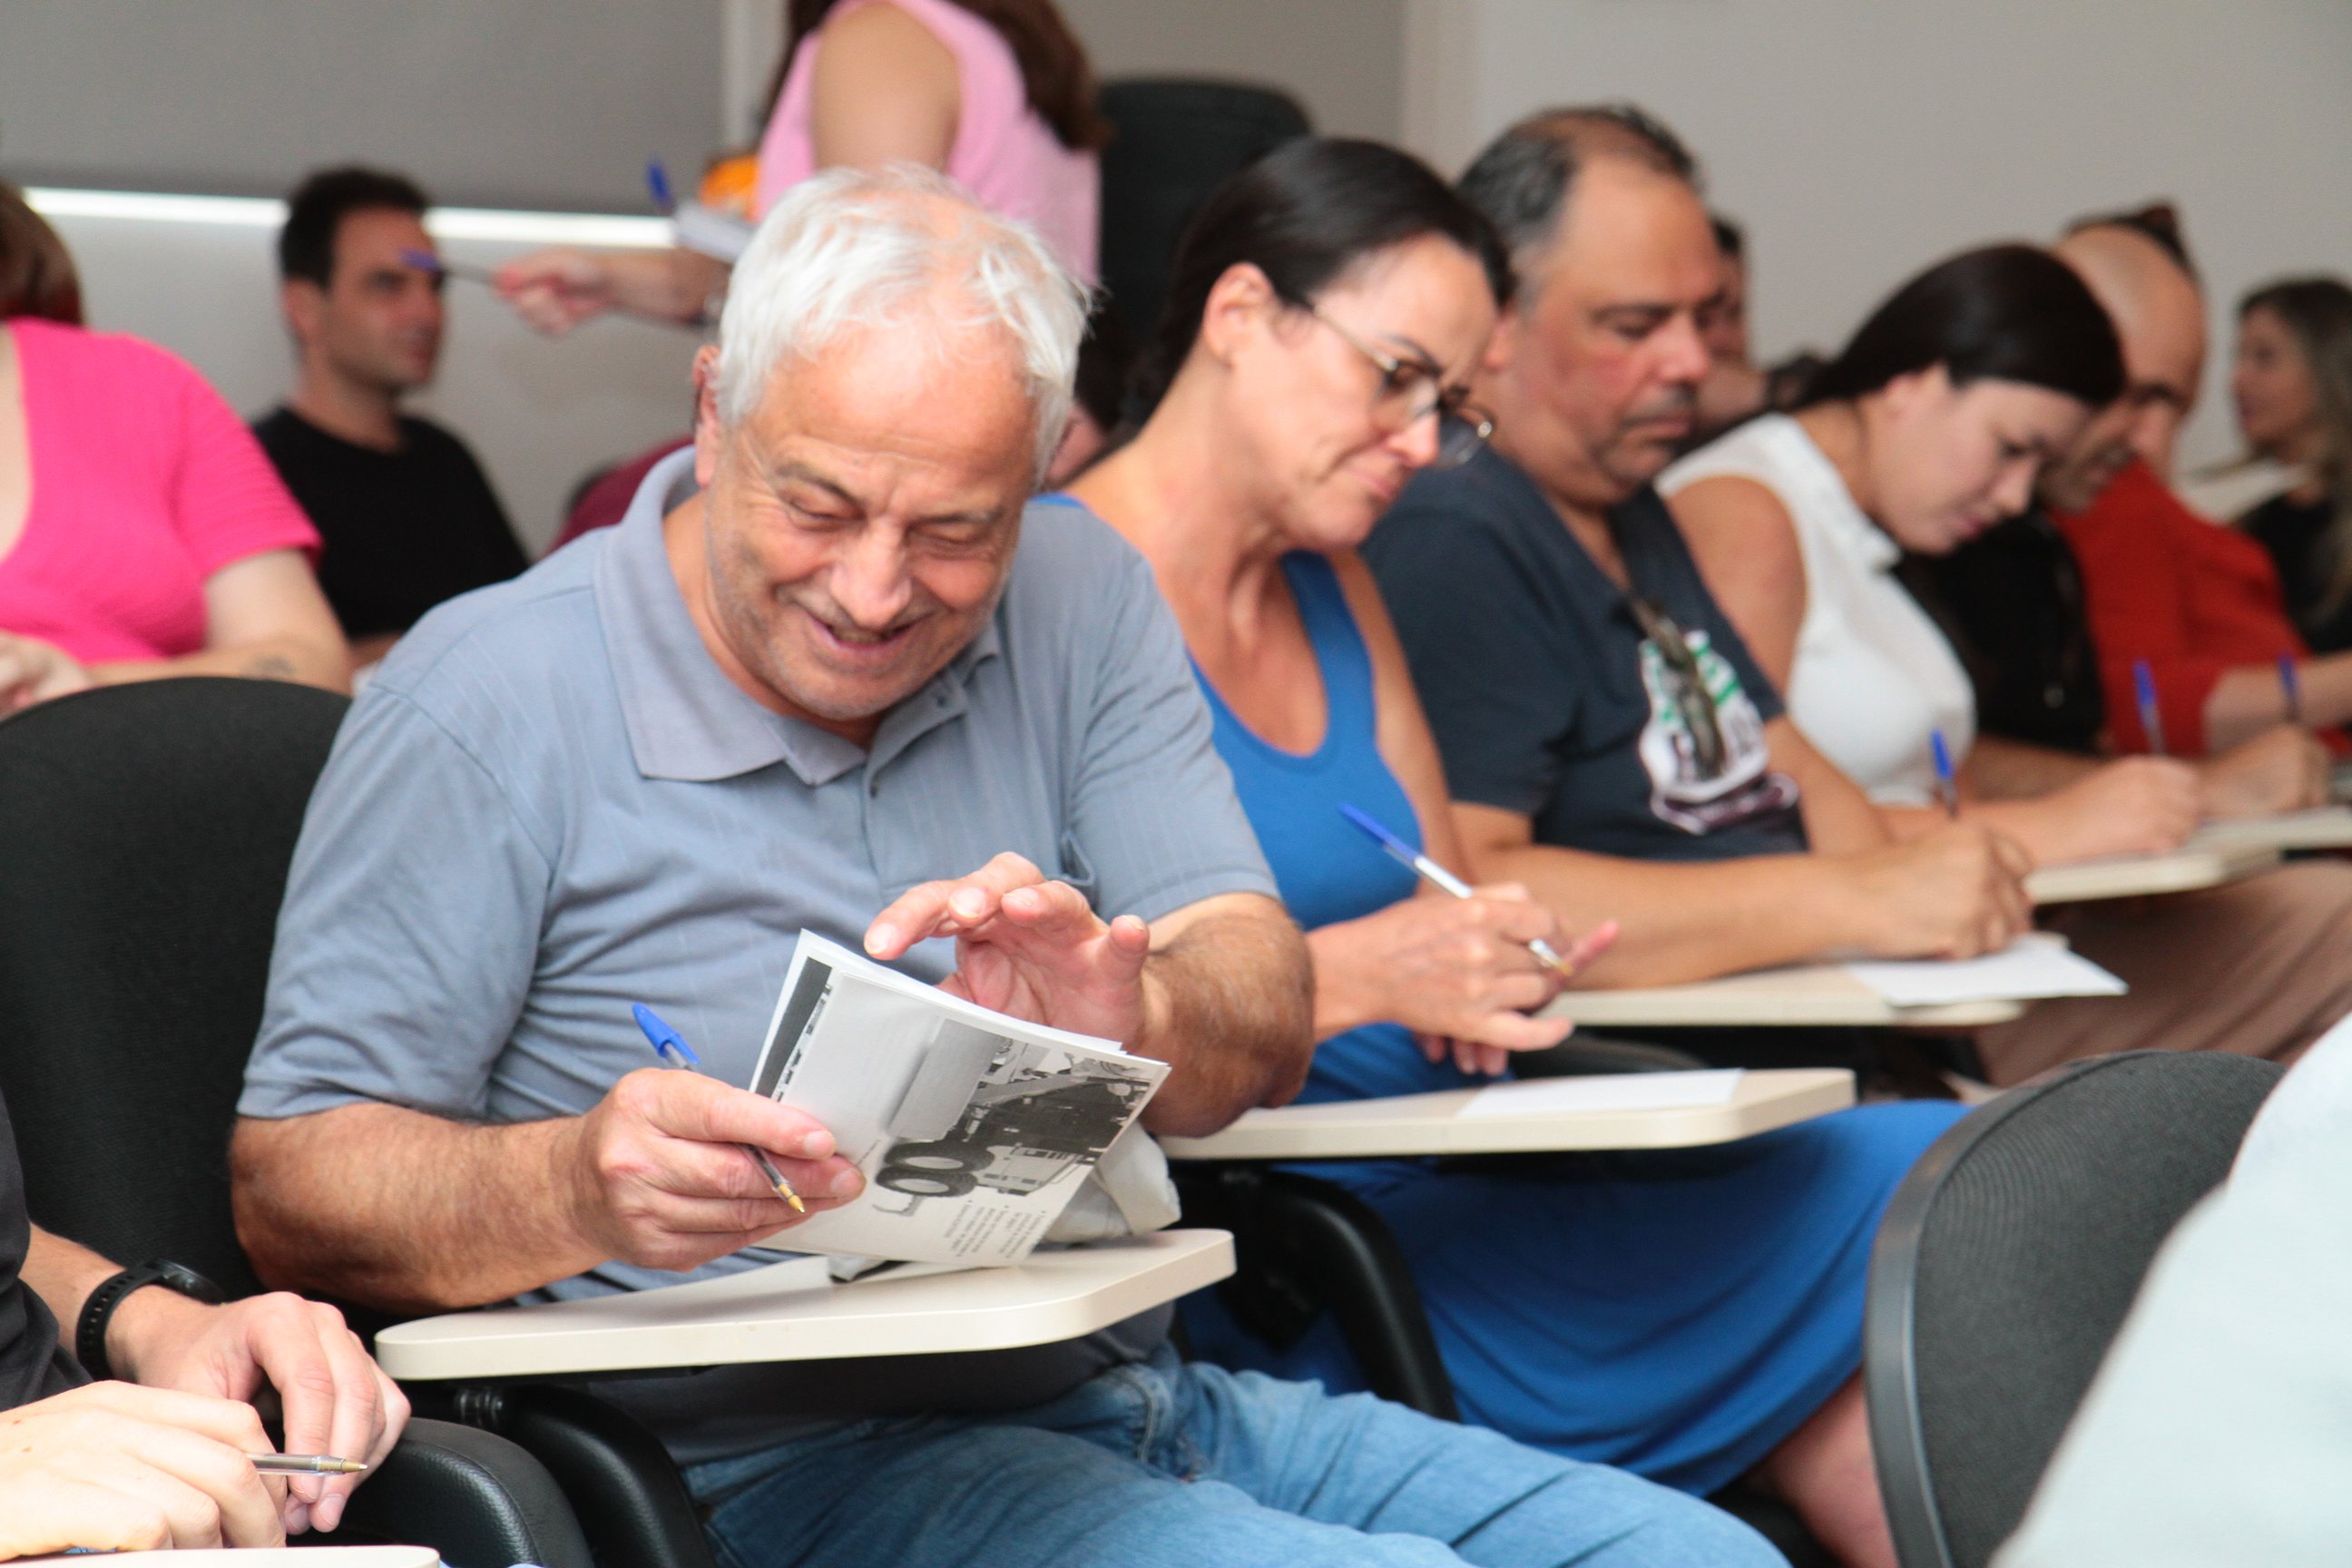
(661, 1036)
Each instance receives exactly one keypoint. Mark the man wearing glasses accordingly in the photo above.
(1609, 744)
(1598, 715)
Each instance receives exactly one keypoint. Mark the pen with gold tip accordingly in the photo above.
(306, 1465)
(671, 1046)
(1439, 877)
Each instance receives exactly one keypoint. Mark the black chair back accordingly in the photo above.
(2006, 1264)
(146, 832)
(1177, 141)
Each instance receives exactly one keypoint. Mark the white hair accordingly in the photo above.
(850, 249)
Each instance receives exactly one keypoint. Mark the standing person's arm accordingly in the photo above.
(886, 91)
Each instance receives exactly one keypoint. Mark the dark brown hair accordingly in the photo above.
(1053, 68)
(37, 271)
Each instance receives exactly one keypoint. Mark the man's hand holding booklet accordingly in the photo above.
(973, 1129)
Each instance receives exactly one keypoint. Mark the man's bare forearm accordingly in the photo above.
(1999, 769)
(405, 1211)
(1229, 1006)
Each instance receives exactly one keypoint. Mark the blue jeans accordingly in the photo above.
(1164, 1464)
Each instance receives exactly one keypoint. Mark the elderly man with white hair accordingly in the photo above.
(834, 671)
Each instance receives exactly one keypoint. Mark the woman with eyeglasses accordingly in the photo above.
(1689, 1316)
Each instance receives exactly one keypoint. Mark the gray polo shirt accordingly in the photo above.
(551, 804)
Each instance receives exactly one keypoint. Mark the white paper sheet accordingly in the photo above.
(1606, 1091)
(2034, 967)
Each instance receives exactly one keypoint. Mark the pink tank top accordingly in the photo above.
(1004, 154)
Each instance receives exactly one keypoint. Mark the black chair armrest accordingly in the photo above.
(474, 1497)
(620, 1480)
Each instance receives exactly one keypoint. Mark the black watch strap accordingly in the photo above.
(89, 1333)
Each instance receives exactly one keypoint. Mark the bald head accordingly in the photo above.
(2161, 317)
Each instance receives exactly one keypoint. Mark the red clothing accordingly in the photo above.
(602, 504)
(144, 484)
(2192, 598)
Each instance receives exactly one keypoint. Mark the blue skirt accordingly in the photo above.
(1676, 1313)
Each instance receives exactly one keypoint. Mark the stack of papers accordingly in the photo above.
(2034, 967)
(1605, 1093)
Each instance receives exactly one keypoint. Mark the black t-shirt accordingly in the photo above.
(2291, 531)
(32, 1365)
(401, 530)
(1546, 698)
(2011, 602)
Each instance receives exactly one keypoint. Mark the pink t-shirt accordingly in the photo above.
(1004, 154)
(145, 483)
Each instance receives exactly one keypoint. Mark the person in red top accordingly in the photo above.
(2198, 603)
(143, 533)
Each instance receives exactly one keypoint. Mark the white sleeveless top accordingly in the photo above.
(1873, 677)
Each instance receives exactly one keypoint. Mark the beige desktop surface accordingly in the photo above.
(1057, 1295)
(1822, 994)
(293, 1556)
(2195, 865)
(1417, 1124)
(2324, 827)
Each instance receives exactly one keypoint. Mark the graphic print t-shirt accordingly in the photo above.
(1547, 698)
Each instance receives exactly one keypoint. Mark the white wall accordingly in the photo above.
(533, 103)
(1859, 139)
(1343, 60)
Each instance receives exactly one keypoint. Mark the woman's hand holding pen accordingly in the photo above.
(1458, 972)
(657, 1179)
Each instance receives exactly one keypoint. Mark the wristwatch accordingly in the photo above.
(89, 1334)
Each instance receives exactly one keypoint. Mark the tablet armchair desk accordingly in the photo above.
(1055, 1295)
(1308, 1246)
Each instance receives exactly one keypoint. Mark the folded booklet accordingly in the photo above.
(974, 1128)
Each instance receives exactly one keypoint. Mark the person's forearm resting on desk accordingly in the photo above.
(1953, 894)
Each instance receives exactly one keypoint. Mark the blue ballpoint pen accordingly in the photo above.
(658, 185)
(2291, 683)
(1947, 788)
(671, 1046)
(2151, 718)
(1439, 876)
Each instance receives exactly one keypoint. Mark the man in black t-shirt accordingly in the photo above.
(153, 1455)
(405, 513)
(1608, 741)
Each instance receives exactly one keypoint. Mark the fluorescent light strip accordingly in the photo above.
(493, 223)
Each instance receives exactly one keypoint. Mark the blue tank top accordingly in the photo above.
(1327, 868)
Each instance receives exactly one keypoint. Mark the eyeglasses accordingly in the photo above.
(1411, 393)
(1687, 684)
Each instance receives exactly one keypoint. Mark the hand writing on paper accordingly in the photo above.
(1026, 946)
(658, 1176)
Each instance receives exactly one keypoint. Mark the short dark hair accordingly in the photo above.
(2159, 223)
(315, 212)
(1522, 179)
(1730, 237)
(2005, 312)
(1303, 215)
(36, 272)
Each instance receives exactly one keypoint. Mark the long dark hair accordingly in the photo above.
(37, 271)
(1303, 215)
(2317, 313)
(1053, 68)
(2006, 313)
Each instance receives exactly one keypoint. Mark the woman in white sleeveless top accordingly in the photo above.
(1928, 429)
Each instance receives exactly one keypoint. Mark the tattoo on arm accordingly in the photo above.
(272, 667)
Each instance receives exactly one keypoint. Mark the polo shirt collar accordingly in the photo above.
(686, 719)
